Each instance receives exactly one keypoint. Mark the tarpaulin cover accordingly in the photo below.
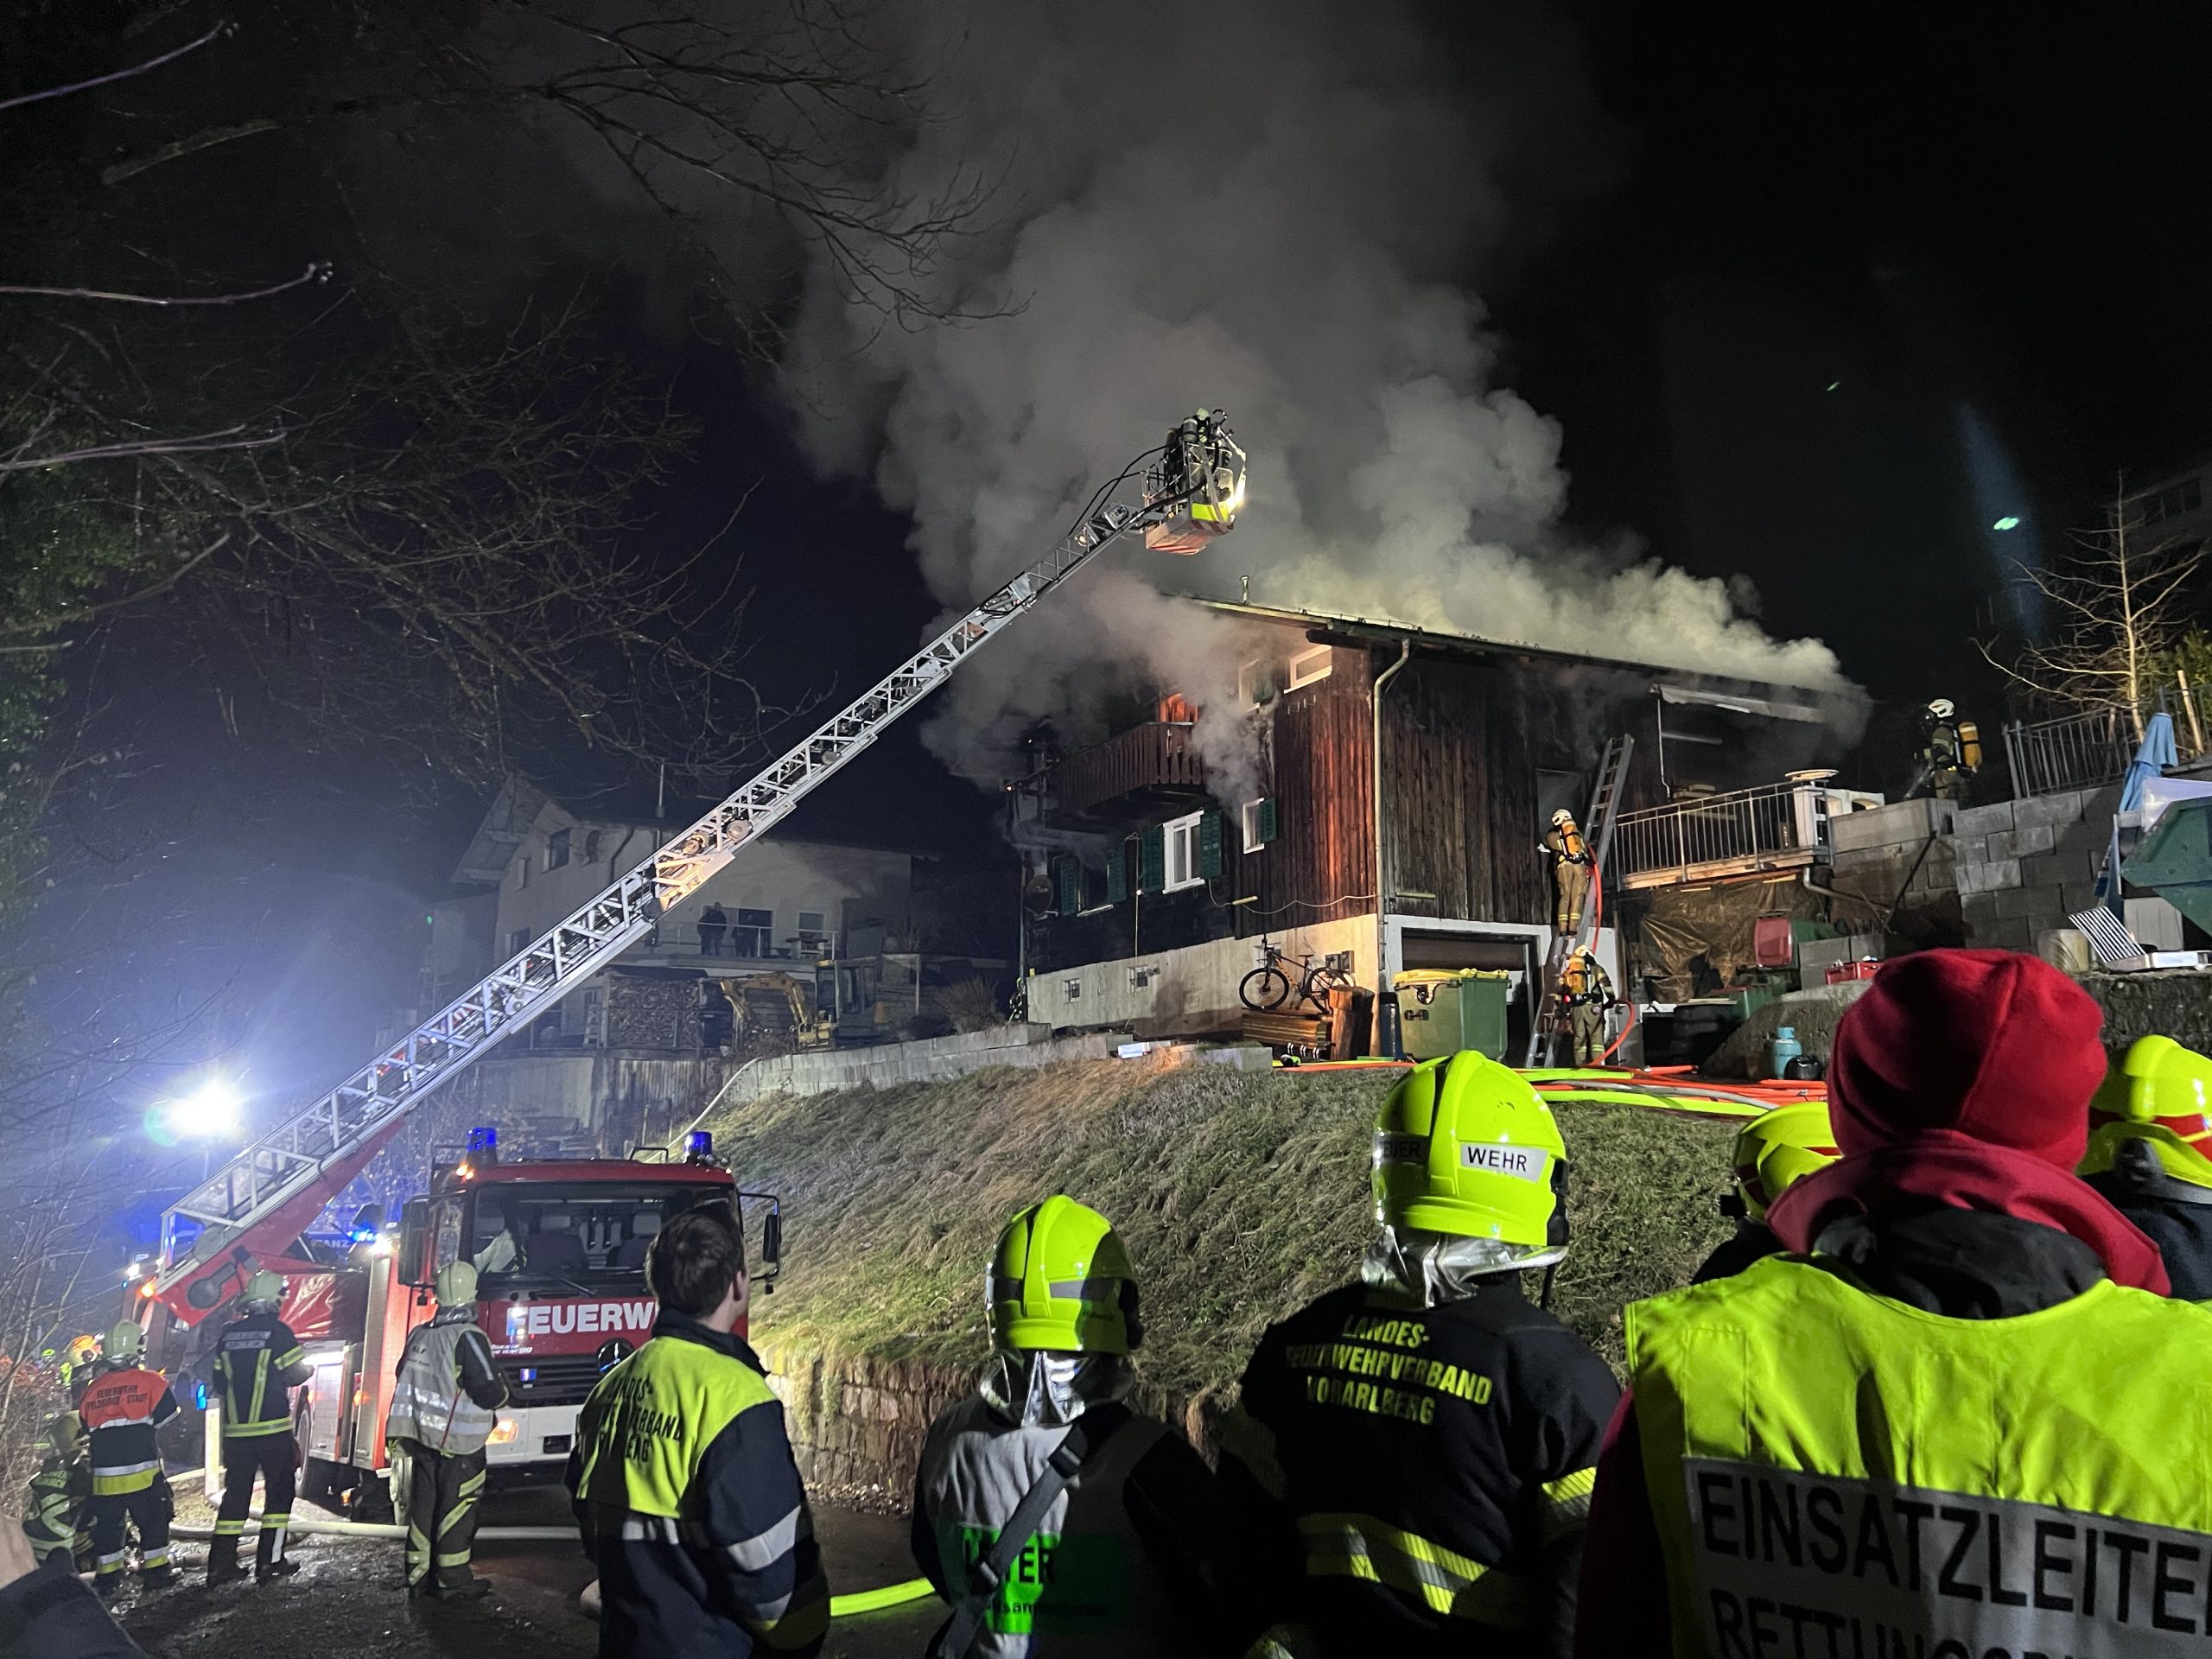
(1681, 925)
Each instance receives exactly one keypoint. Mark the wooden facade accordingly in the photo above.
(1479, 742)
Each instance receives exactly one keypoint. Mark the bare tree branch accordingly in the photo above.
(317, 271)
(216, 33)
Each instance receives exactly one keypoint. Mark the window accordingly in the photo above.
(1309, 666)
(1182, 844)
(813, 929)
(557, 850)
(522, 870)
(1259, 823)
(517, 941)
(2173, 503)
(1255, 682)
(591, 846)
(752, 932)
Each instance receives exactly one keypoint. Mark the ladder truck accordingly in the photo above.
(560, 1245)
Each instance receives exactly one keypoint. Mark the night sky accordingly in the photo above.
(1832, 282)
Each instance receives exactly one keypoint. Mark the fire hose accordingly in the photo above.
(857, 1601)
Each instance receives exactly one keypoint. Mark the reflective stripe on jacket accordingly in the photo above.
(429, 1404)
(691, 1506)
(1899, 1481)
(1413, 1480)
(258, 1365)
(52, 1515)
(121, 1409)
(1084, 1583)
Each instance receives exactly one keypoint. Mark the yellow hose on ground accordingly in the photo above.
(889, 1595)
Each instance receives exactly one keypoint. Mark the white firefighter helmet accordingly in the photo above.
(456, 1284)
(1562, 817)
(1943, 708)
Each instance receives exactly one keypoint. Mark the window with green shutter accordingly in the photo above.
(1210, 845)
(1152, 860)
(1117, 873)
(1068, 886)
(1258, 823)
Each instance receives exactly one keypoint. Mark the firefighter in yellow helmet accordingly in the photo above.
(444, 1406)
(1408, 1467)
(2150, 1154)
(1571, 862)
(1046, 1507)
(1773, 1151)
(53, 1513)
(1585, 997)
(257, 1363)
(123, 1407)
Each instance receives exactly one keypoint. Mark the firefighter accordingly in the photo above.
(443, 1412)
(122, 1407)
(1950, 751)
(1571, 863)
(1115, 1507)
(2151, 1154)
(53, 1516)
(1964, 1376)
(1774, 1151)
(1585, 998)
(258, 1365)
(686, 1493)
(1406, 1469)
(79, 1365)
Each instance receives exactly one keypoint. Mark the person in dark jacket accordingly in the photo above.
(2151, 1153)
(1118, 1558)
(54, 1516)
(1408, 1466)
(686, 1493)
(1965, 1336)
(1774, 1151)
(443, 1407)
(258, 1365)
(46, 1612)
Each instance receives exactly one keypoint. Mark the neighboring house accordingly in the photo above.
(1151, 879)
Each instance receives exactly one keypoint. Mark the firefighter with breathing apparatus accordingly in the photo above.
(1774, 1151)
(1585, 998)
(1950, 751)
(53, 1513)
(1571, 862)
(1408, 1466)
(258, 1365)
(122, 1406)
(1047, 1510)
(2150, 1154)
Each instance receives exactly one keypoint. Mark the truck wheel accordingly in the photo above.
(370, 1500)
(319, 1481)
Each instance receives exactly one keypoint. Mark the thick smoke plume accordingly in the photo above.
(1266, 206)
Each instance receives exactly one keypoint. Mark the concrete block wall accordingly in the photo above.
(2024, 866)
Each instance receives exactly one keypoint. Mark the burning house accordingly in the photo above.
(1160, 860)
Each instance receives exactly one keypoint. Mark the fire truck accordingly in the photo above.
(559, 1245)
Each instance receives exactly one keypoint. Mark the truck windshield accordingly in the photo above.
(596, 1234)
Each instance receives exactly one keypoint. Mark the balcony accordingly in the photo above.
(1781, 826)
(1125, 778)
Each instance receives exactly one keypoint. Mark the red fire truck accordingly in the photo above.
(559, 1246)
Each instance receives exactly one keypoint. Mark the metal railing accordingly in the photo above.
(2081, 751)
(1779, 825)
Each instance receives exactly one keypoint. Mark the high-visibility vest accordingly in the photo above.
(1866, 1479)
(1084, 1583)
(429, 1405)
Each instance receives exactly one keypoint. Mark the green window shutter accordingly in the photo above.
(1117, 874)
(1210, 845)
(1069, 885)
(1152, 860)
(1267, 821)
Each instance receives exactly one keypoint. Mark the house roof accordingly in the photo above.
(513, 811)
(1759, 696)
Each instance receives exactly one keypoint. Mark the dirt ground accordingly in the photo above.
(347, 1598)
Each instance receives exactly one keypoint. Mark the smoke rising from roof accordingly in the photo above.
(1265, 206)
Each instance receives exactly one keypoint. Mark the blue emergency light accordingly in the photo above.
(484, 1141)
(699, 1145)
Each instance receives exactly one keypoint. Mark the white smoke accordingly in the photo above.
(1264, 206)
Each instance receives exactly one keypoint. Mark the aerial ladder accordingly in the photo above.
(1189, 491)
(1605, 797)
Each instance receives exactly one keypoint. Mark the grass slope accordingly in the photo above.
(1240, 1196)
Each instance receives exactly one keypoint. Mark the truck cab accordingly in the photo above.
(559, 1246)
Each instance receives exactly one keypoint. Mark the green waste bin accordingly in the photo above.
(1443, 1010)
